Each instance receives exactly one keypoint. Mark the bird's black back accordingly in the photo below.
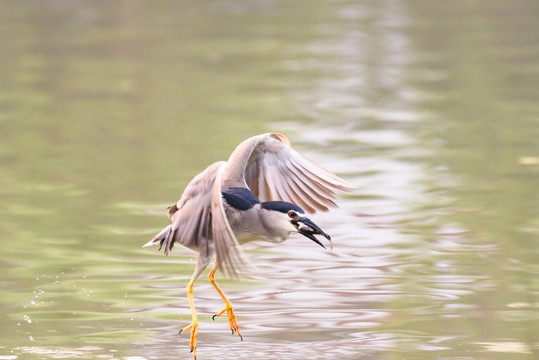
(281, 206)
(240, 198)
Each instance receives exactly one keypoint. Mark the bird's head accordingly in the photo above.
(296, 217)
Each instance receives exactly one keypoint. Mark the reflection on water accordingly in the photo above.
(107, 110)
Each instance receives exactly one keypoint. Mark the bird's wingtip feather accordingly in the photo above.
(149, 243)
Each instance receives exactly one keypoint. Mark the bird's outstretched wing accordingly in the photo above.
(198, 218)
(191, 216)
(272, 170)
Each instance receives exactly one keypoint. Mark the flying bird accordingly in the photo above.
(262, 192)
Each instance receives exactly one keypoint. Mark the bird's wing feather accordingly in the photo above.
(229, 254)
(195, 216)
(199, 222)
(191, 216)
(275, 171)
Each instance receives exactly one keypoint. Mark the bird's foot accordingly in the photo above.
(231, 319)
(194, 331)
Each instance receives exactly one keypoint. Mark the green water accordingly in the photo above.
(108, 109)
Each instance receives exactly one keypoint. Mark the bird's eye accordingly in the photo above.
(292, 214)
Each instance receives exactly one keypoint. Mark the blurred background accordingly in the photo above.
(108, 109)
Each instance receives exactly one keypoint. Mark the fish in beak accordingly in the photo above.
(307, 228)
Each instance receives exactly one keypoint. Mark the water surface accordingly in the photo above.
(107, 110)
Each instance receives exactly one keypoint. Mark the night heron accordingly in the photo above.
(260, 193)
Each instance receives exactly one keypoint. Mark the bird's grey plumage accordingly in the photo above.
(271, 170)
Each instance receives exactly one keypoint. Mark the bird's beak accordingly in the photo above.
(308, 229)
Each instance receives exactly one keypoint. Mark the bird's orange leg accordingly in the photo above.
(228, 305)
(194, 324)
(201, 265)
